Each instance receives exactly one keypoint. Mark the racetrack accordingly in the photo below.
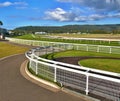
(14, 87)
(75, 60)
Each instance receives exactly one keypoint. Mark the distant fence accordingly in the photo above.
(93, 40)
(83, 47)
(89, 81)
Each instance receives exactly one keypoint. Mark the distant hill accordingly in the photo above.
(95, 29)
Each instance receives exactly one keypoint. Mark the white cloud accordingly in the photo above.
(98, 5)
(92, 17)
(96, 17)
(7, 3)
(92, 10)
(20, 3)
(59, 15)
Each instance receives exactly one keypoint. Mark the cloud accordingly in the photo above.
(61, 15)
(93, 17)
(20, 3)
(7, 3)
(97, 5)
(91, 10)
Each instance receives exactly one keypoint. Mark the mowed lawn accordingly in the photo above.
(7, 49)
(109, 36)
(102, 64)
(72, 53)
(64, 40)
(112, 65)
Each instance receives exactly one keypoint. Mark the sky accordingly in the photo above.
(17, 13)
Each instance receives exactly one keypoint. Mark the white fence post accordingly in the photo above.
(36, 68)
(86, 47)
(77, 47)
(87, 83)
(110, 50)
(31, 60)
(98, 48)
(55, 74)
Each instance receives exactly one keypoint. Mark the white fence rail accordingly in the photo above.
(84, 47)
(91, 81)
(85, 39)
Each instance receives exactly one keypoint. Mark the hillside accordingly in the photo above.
(95, 29)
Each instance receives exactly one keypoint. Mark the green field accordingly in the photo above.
(72, 53)
(42, 38)
(102, 64)
(7, 49)
(106, 36)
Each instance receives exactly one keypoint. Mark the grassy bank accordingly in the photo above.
(102, 64)
(106, 36)
(7, 49)
(72, 53)
(42, 38)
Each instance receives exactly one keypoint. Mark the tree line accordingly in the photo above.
(94, 29)
(81, 29)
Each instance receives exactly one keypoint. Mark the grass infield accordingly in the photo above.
(102, 64)
(111, 65)
(7, 49)
(42, 38)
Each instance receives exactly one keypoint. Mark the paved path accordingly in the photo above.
(14, 87)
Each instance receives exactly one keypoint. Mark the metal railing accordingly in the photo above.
(81, 79)
(83, 47)
(91, 81)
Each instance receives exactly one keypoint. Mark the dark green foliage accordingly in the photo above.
(4, 31)
(1, 23)
(95, 29)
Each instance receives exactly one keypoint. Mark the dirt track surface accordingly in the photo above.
(74, 60)
(14, 87)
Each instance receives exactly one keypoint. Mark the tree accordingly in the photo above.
(0, 28)
(1, 23)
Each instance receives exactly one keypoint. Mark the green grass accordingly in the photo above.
(7, 49)
(72, 53)
(40, 38)
(102, 64)
(27, 36)
(115, 36)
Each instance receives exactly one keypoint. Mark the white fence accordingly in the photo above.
(84, 47)
(89, 81)
(93, 40)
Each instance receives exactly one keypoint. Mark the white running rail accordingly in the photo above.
(91, 81)
(82, 79)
